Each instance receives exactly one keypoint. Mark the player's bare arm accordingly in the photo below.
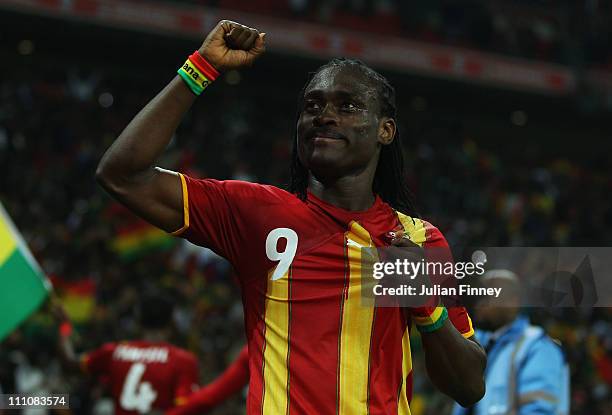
(70, 361)
(461, 378)
(127, 170)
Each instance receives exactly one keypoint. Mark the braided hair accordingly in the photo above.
(389, 179)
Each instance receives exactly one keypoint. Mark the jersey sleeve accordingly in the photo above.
(437, 249)
(235, 377)
(97, 361)
(187, 378)
(214, 213)
(461, 320)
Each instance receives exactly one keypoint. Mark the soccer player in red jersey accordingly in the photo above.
(230, 382)
(142, 375)
(314, 348)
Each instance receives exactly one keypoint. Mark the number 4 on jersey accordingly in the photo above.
(284, 257)
(137, 396)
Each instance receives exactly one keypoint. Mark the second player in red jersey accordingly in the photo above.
(141, 375)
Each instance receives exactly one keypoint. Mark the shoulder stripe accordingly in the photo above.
(185, 207)
(471, 331)
(414, 227)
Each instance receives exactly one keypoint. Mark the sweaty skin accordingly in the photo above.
(343, 104)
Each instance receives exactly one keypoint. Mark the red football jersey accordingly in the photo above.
(314, 348)
(144, 375)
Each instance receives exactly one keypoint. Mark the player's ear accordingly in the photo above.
(386, 131)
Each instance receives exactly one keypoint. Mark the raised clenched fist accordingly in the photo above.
(232, 45)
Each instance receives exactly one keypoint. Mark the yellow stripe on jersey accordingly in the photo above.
(356, 331)
(414, 228)
(471, 332)
(185, 207)
(403, 408)
(276, 352)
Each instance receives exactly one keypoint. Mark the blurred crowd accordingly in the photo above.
(576, 33)
(55, 126)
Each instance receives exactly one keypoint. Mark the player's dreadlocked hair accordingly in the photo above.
(389, 179)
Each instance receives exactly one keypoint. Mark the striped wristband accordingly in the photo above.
(197, 73)
(432, 322)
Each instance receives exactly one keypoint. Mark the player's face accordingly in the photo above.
(338, 128)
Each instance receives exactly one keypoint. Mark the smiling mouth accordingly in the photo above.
(324, 136)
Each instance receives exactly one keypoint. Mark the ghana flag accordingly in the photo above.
(138, 238)
(23, 286)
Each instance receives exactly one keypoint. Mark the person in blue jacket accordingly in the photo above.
(527, 373)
